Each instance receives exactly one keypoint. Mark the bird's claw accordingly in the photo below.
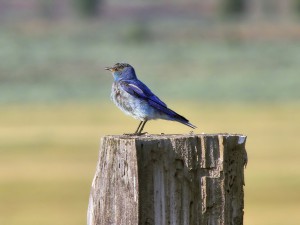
(136, 134)
(129, 134)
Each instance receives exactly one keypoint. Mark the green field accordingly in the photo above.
(47, 63)
(49, 154)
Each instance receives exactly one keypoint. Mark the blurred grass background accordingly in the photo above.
(224, 71)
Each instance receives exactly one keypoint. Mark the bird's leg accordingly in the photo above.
(137, 130)
(140, 131)
(138, 127)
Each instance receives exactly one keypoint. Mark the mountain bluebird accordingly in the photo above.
(135, 99)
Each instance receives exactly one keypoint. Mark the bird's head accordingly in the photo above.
(122, 71)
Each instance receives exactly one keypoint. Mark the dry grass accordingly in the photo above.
(49, 154)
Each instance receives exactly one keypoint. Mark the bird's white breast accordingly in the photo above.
(134, 106)
(129, 104)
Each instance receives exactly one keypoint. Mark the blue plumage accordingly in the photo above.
(134, 98)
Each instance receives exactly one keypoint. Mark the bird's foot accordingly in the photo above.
(136, 134)
(129, 134)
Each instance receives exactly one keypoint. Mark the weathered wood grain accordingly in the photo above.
(169, 179)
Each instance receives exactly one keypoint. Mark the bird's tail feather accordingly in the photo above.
(190, 125)
(171, 114)
(186, 122)
(176, 117)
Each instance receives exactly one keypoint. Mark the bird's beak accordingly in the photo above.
(108, 68)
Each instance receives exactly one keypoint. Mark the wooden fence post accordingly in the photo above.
(169, 179)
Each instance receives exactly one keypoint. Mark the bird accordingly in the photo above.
(135, 99)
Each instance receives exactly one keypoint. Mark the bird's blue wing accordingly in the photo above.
(140, 90)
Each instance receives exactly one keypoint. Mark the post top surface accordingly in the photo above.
(242, 137)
